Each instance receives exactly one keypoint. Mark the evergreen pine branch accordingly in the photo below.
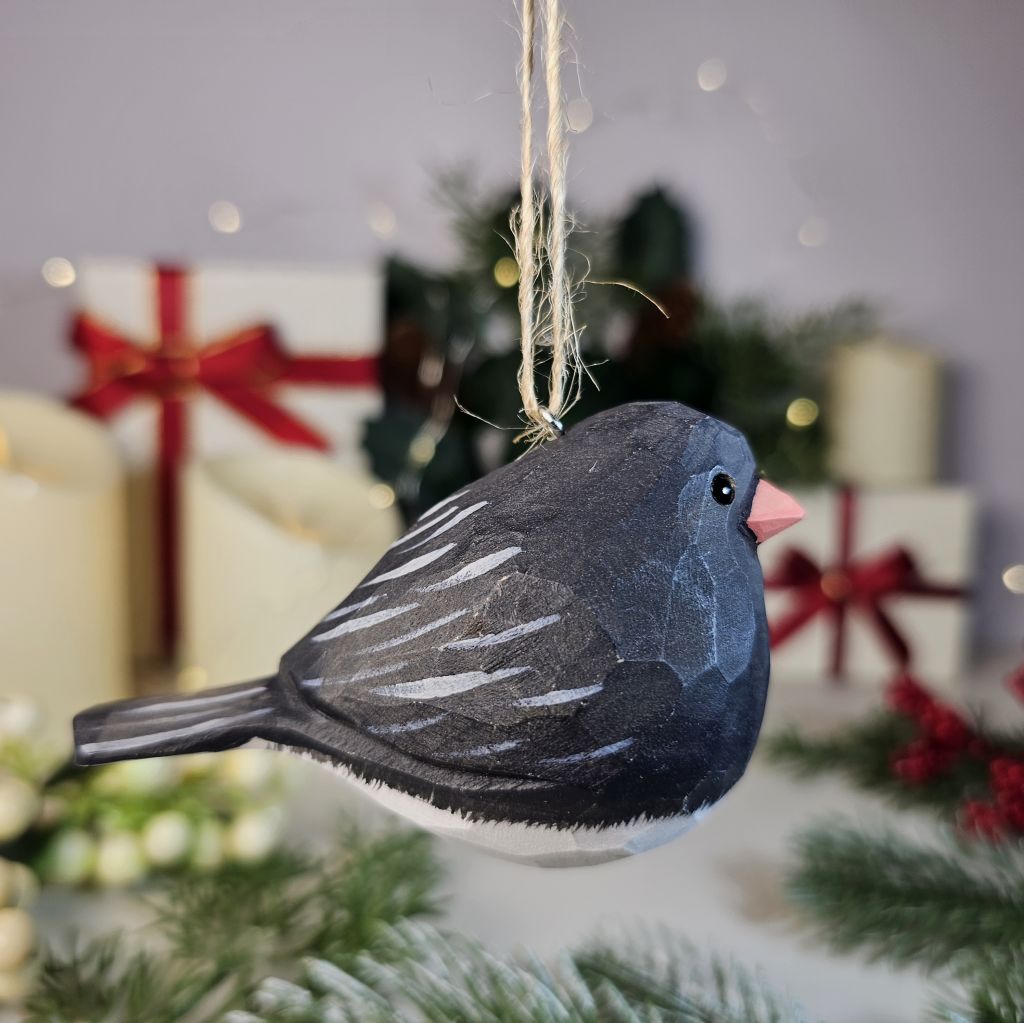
(228, 931)
(430, 978)
(295, 906)
(905, 902)
(105, 981)
(864, 752)
(995, 992)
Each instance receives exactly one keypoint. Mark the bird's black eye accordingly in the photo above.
(723, 488)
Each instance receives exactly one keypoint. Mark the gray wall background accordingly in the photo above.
(898, 123)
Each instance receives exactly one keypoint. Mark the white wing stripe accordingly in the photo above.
(595, 754)
(408, 726)
(473, 569)
(405, 537)
(410, 566)
(359, 676)
(148, 741)
(366, 622)
(446, 685)
(557, 696)
(497, 638)
(349, 608)
(414, 634)
(440, 504)
(464, 514)
(198, 702)
(497, 747)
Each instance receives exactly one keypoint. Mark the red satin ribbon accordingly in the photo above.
(850, 585)
(242, 371)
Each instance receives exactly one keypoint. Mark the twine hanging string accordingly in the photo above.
(545, 301)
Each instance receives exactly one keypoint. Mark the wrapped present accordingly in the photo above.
(872, 582)
(213, 360)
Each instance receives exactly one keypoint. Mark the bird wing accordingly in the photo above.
(457, 650)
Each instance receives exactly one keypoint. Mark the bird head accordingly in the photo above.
(724, 495)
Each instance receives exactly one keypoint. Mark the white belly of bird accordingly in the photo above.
(540, 844)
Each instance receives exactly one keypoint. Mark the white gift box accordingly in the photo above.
(314, 311)
(317, 311)
(933, 527)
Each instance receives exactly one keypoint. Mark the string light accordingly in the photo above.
(579, 114)
(711, 75)
(380, 496)
(813, 232)
(506, 272)
(225, 217)
(1013, 578)
(59, 272)
(801, 413)
(382, 220)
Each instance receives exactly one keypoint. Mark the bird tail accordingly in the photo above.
(162, 726)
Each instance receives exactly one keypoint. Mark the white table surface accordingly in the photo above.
(719, 886)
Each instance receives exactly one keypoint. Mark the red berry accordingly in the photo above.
(983, 820)
(1015, 682)
(1007, 780)
(945, 726)
(1013, 814)
(907, 696)
(916, 762)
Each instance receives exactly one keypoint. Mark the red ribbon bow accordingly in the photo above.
(242, 371)
(850, 585)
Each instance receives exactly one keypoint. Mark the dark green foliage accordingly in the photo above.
(995, 992)
(907, 902)
(955, 908)
(741, 362)
(654, 243)
(343, 939)
(106, 981)
(864, 753)
(215, 938)
(388, 441)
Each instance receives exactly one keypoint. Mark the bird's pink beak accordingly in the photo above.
(773, 511)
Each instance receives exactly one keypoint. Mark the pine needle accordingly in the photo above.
(906, 902)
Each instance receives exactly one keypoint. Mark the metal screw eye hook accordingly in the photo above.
(555, 424)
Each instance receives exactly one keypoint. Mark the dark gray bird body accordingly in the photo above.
(577, 641)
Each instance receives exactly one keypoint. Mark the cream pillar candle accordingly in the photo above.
(885, 410)
(273, 540)
(63, 619)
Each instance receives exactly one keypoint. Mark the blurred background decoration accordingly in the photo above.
(252, 322)
(649, 334)
(116, 827)
(950, 904)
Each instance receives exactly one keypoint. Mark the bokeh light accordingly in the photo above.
(712, 74)
(579, 114)
(801, 412)
(506, 272)
(1013, 578)
(813, 232)
(225, 217)
(381, 496)
(382, 220)
(59, 272)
